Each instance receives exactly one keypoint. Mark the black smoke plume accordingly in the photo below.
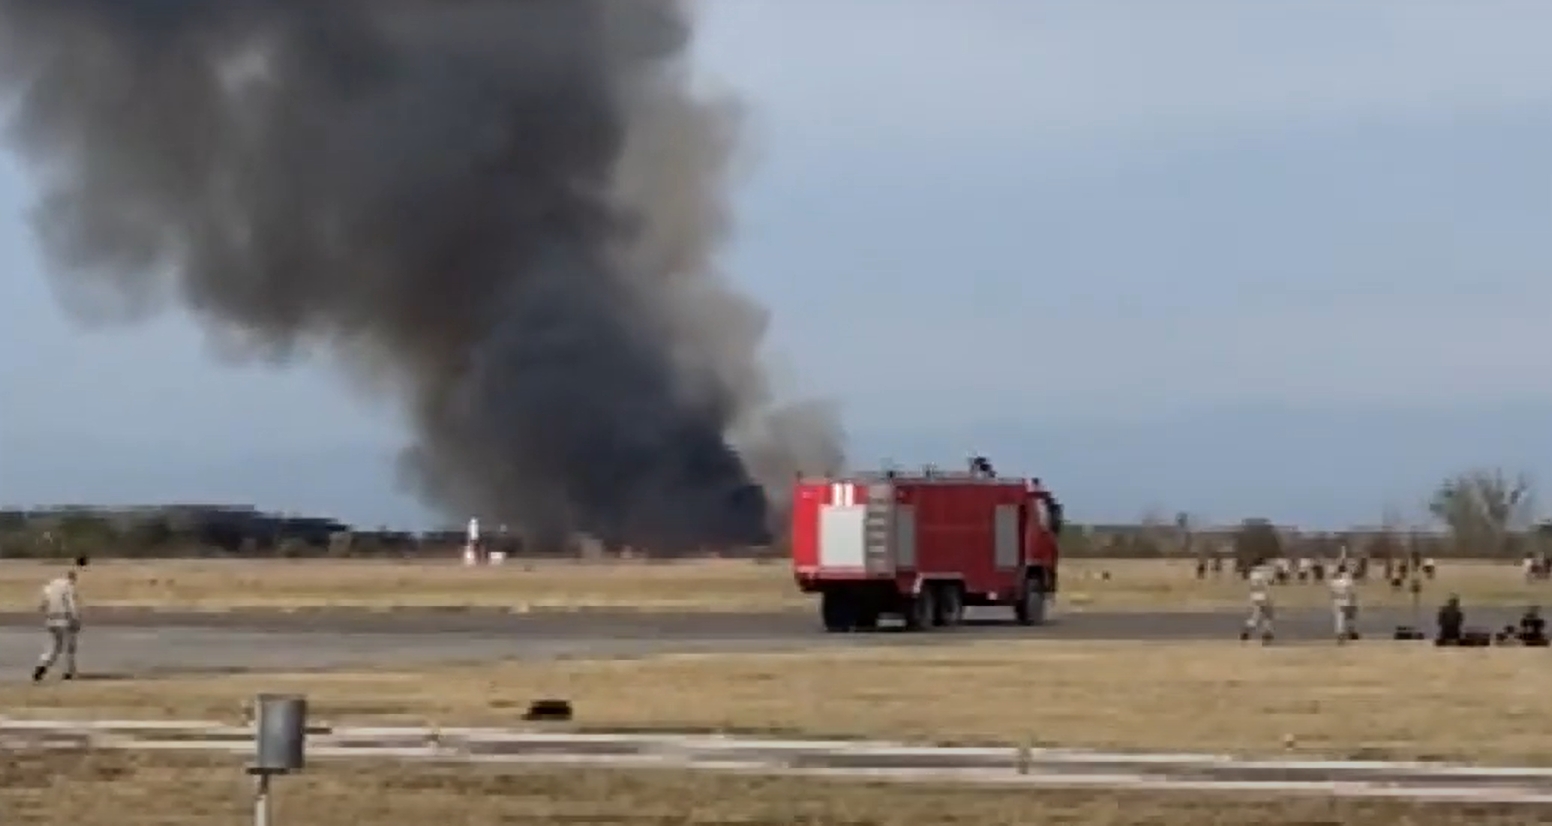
(503, 212)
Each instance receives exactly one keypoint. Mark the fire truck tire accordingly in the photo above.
(921, 610)
(951, 606)
(837, 611)
(1030, 609)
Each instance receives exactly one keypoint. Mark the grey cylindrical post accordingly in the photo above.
(280, 731)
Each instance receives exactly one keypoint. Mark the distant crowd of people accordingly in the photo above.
(1282, 571)
(1345, 573)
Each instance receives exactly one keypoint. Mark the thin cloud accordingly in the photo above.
(1021, 73)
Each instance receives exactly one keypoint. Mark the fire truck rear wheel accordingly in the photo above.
(922, 610)
(838, 611)
(950, 606)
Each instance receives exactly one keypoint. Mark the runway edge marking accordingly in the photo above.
(1069, 768)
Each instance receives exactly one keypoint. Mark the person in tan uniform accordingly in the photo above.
(61, 609)
(1259, 623)
(1344, 606)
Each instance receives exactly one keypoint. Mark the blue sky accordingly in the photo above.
(1277, 258)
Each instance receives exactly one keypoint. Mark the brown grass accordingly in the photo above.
(683, 586)
(1172, 585)
(191, 585)
(1377, 700)
(117, 789)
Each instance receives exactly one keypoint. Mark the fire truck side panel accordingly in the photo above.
(970, 532)
(804, 538)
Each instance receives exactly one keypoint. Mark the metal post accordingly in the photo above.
(260, 797)
(280, 746)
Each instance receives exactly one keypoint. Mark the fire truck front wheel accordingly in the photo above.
(1030, 608)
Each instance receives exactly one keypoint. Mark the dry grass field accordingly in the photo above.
(118, 789)
(1372, 700)
(1150, 585)
(225, 585)
(717, 585)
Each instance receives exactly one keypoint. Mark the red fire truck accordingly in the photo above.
(924, 545)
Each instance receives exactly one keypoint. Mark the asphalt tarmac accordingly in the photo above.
(129, 643)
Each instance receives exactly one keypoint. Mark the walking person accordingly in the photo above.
(1344, 606)
(62, 620)
(1259, 623)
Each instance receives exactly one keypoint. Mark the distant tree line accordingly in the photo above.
(1479, 514)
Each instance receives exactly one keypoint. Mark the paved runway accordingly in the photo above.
(136, 642)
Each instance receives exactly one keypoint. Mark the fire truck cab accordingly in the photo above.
(924, 545)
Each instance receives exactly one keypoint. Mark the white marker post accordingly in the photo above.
(471, 543)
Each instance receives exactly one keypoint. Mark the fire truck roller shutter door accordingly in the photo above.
(841, 536)
(1006, 530)
(905, 537)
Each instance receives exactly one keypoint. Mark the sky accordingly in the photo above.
(1289, 259)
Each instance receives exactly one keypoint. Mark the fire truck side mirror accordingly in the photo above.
(1054, 513)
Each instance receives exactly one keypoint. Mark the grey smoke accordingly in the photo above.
(505, 212)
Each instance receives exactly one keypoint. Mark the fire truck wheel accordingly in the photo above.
(950, 608)
(922, 610)
(1030, 609)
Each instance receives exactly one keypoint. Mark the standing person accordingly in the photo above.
(1344, 605)
(1259, 623)
(62, 620)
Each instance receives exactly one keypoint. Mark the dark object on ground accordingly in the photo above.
(559, 710)
(1451, 621)
(1476, 638)
(1533, 629)
(1407, 632)
(82, 561)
